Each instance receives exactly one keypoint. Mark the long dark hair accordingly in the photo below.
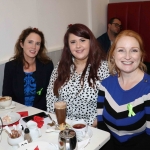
(94, 59)
(18, 54)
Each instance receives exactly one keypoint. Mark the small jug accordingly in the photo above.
(67, 140)
(35, 132)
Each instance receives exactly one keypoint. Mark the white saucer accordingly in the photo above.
(14, 117)
(13, 105)
(47, 120)
(41, 145)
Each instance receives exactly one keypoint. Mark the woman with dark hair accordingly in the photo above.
(27, 75)
(124, 97)
(76, 77)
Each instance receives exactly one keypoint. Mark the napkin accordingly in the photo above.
(23, 113)
(16, 123)
(83, 144)
(39, 121)
(36, 148)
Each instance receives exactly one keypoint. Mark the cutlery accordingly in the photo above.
(53, 122)
(7, 129)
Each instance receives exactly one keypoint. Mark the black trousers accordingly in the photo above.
(140, 142)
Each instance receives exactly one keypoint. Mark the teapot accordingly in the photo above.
(35, 132)
(67, 140)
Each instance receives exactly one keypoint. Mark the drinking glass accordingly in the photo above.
(60, 110)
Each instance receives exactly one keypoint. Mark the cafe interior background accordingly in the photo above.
(50, 16)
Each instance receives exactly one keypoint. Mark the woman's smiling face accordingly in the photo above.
(31, 45)
(79, 47)
(127, 54)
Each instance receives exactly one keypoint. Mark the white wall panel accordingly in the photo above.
(50, 16)
(99, 16)
(15, 15)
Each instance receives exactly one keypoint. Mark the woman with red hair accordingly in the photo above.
(124, 105)
(76, 77)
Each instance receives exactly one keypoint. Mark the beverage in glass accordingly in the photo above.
(60, 110)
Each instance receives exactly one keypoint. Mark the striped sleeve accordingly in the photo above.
(100, 103)
(147, 112)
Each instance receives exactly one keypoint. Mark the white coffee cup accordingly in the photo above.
(15, 142)
(5, 101)
(81, 128)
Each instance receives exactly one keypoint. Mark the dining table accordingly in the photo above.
(98, 139)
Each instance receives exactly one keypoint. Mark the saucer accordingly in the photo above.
(13, 105)
(51, 128)
(14, 117)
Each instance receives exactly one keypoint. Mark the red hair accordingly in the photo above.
(111, 63)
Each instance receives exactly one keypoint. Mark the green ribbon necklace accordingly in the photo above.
(39, 92)
(130, 109)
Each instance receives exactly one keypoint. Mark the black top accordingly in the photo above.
(104, 42)
(13, 83)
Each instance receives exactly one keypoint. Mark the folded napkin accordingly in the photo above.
(16, 123)
(23, 113)
(39, 121)
(83, 144)
(36, 148)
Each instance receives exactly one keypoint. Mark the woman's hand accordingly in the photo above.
(95, 123)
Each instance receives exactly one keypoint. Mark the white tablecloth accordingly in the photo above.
(98, 139)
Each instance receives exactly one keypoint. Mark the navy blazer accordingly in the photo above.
(104, 42)
(13, 83)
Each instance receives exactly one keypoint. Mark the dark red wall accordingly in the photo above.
(134, 16)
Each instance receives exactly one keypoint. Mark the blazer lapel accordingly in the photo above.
(20, 81)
